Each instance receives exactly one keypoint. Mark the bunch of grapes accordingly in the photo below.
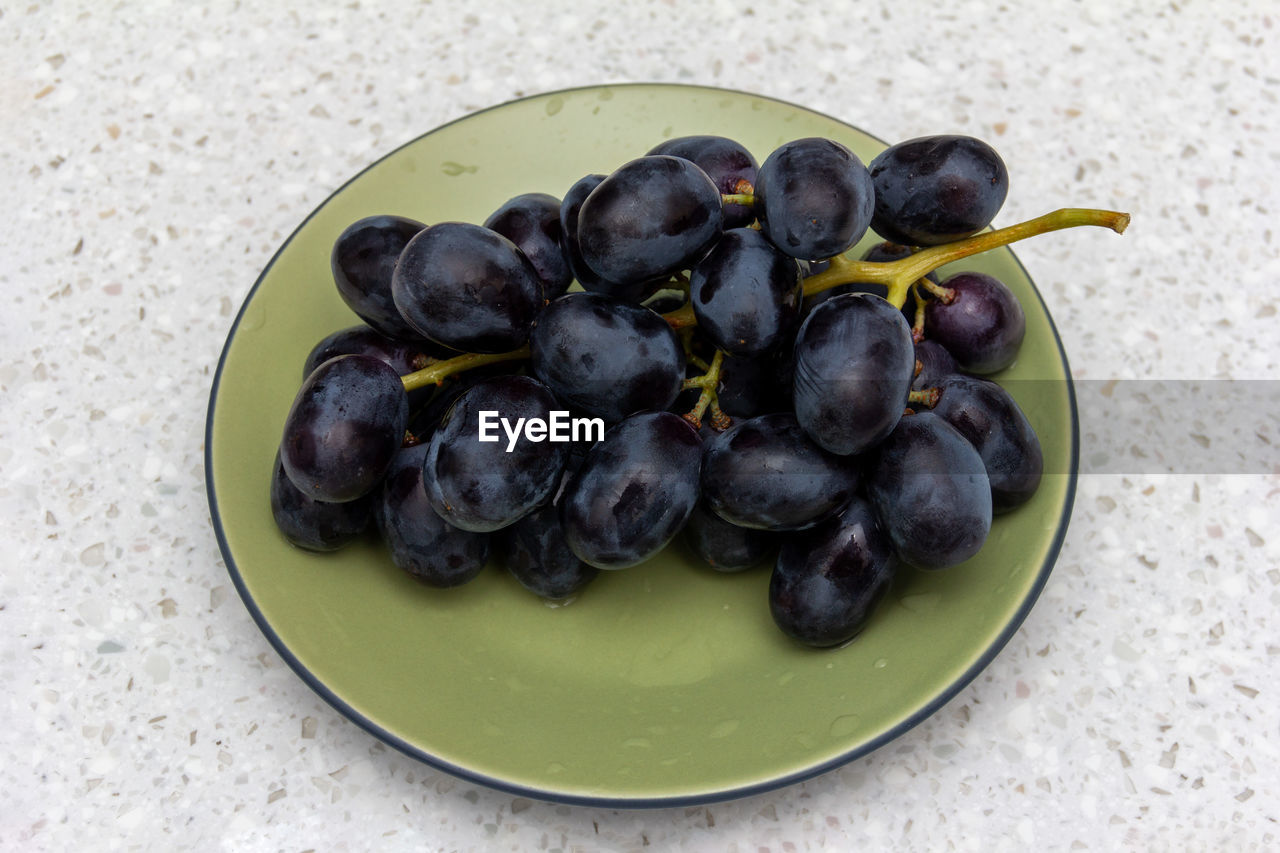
(735, 376)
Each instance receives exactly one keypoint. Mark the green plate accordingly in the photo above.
(665, 684)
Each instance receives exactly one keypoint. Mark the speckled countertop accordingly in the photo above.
(154, 156)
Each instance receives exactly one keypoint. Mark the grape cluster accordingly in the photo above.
(757, 389)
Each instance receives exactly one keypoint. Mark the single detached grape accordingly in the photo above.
(828, 581)
(467, 287)
(982, 327)
(726, 547)
(344, 428)
(363, 260)
(854, 363)
(930, 489)
(485, 485)
(765, 473)
(814, 198)
(746, 294)
(532, 222)
(726, 162)
(937, 189)
(607, 358)
(312, 524)
(652, 217)
(421, 542)
(634, 491)
(988, 417)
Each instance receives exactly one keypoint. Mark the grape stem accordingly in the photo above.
(707, 383)
(442, 370)
(899, 275)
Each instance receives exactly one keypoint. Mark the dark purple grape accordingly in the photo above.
(484, 485)
(828, 581)
(635, 292)
(854, 364)
(634, 491)
(765, 473)
(746, 294)
(570, 207)
(936, 189)
(315, 525)
(346, 424)
(988, 417)
(756, 386)
(813, 198)
(403, 356)
(363, 260)
(982, 327)
(537, 554)
(605, 357)
(467, 287)
(532, 222)
(726, 547)
(726, 162)
(930, 489)
(421, 542)
(936, 364)
(652, 217)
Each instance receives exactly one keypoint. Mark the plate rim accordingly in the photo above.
(773, 783)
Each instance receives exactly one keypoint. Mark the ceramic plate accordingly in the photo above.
(665, 684)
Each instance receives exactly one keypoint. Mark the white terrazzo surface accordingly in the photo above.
(154, 156)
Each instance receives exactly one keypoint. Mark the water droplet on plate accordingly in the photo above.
(724, 728)
(844, 725)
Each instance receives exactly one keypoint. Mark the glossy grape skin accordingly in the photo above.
(746, 294)
(936, 364)
(634, 491)
(726, 547)
(363, 260)
(764, 473)
(607, 358)
(537, 554)
(982, 327)
(479, 485)
(421, 542)
(532, 222)
(828, 581)
(652, 217)
(345, 426)
(936, 189)
(314, 525)
(930, 490)
(813, 198)
(988, 417)
(468, 288)
(854, 362)
(725, 161)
